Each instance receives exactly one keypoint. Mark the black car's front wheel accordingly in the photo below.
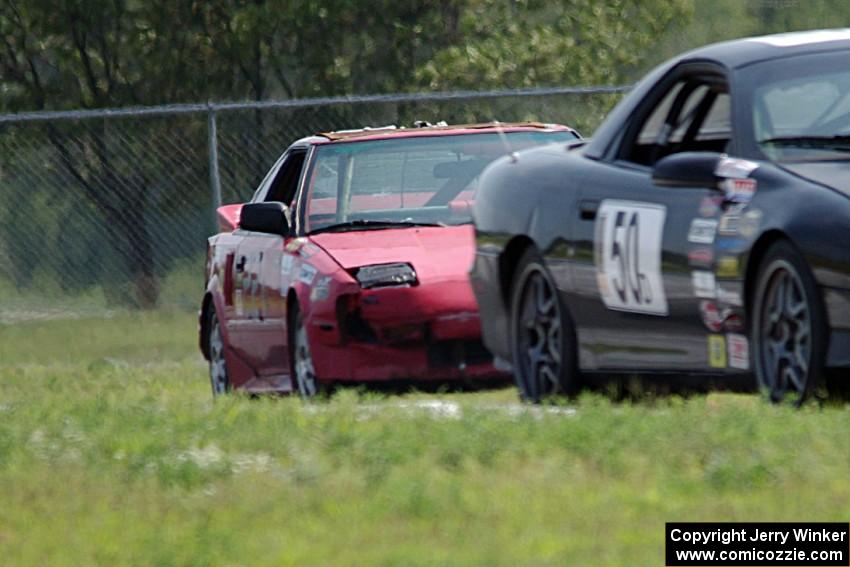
(543, 339)
(788, 327)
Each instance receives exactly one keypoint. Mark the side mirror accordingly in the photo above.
(688, 169)
(271, 218)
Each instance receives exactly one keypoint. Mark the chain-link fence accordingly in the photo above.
(111, 208)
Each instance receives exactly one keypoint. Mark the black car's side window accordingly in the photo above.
(694, 115)
(285, 182)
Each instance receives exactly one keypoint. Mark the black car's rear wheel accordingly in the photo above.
(543, 339)
(788, 327)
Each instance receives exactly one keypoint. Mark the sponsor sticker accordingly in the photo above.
(729, 223)
(750, 223)
(727, 267)
(704, 284)
(729, 297)
(237, 303)
(732, 321)
(740, 190)
(286, 262)
(702, 231)
(627, 252)
(729, 244)
(738, 348)
(321, 290)
(702, 257)
(307, 274)
(710, 206)
(734, 168)
(308, 249)
(711, 316)
(716, 351)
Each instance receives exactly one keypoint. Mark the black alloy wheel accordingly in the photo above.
(543, 339)
(789, 333)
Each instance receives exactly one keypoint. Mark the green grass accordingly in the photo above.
(113, 453)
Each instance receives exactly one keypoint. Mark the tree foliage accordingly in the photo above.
(535, 42)
(107, 53)
(94, 53)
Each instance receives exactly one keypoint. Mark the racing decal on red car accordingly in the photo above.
(307, 274)
(308, 249)
(321, 290)
(628, 256)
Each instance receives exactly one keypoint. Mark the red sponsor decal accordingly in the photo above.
(739, 351)
(711, 316)
(701, 257)
(740, 190)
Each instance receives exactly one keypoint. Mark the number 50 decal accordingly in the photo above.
(627, 247)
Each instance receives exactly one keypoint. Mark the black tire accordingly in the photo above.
(219, 375)
(542, 334)
(304, 378)
(789, 334)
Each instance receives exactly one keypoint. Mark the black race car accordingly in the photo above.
(700, 232)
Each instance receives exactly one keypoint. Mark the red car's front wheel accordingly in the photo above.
(302, 359)
(219, 378)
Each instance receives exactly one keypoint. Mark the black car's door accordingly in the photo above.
(646, 277)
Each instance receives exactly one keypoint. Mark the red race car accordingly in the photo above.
(351, 261)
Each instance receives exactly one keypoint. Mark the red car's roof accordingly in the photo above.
(447, 130)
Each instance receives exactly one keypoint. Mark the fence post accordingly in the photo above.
(215, 180)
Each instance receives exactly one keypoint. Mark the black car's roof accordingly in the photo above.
(730, 54)
(740, 52)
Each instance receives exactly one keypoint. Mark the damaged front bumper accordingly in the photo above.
(422, 332)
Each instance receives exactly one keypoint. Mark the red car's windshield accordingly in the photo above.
(418, 180)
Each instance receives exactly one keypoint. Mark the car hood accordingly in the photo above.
(436, 253)
(835, 174)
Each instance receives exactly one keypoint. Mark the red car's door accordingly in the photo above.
(260, 337)
(262, 340)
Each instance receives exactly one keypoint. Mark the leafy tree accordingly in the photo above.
(536, 42)
(108, 53)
